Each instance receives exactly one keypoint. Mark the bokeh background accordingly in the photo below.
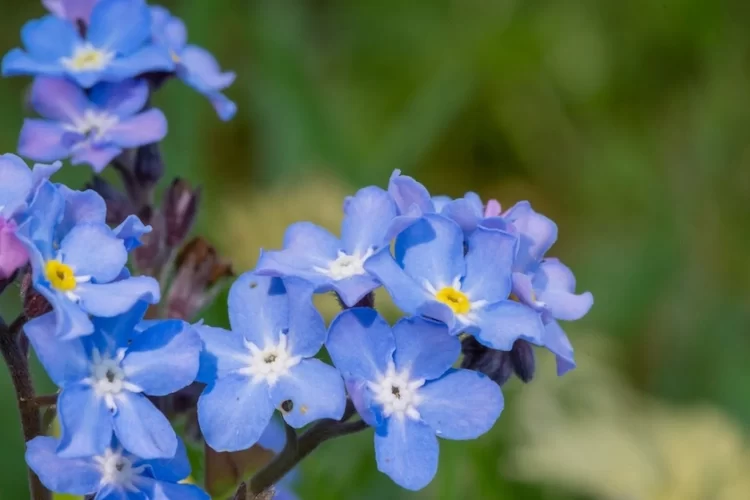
(628, 123)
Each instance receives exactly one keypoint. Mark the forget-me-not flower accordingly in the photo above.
(402, 383)
(193, 65)
(17, 186)
(114, 474)
(265, 362)
(312, 253)
(93, 128)
(431, 276)
(105, 378)
(117, 45)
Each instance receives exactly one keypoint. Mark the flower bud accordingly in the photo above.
(495, 364)
(180, 208)
(149, 167)
(523, 361)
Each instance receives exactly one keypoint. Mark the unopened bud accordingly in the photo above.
(149, 167)
(495, 364)
(523, 360)
(180, 208)
(153, 253)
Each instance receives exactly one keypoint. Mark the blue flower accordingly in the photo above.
(193, 65)
(431, 276)
(93, 128)
(105, 378)
(312, 253)
(265, 362)
(113, 474)
(402, 383)
(116, 46)
(78, 263)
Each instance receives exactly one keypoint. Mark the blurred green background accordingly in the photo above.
(627, 122)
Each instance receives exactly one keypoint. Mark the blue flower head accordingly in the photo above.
(433, 277)
(93, 128)
(116, 46)
(265, 362)
(106, 377)
(114, 474)
(78, 262)
(312, 253)
(193, 65)
(402, 383)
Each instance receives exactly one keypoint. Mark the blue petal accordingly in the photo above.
(15, 184)
(121, 26)
(121, 328)
(96, 156)
(65, 360)
(124, 98)
(49, 39)
(81, 207)
(537, 235)
(75, 476)
(17, 62)
(41, 172)
(501, 324)
(406, 293)
(201, 71)
(440, 202)
(352, 290)
(407, 451)
(463, 404)
(144, 128)
(162, 490)
(173, 469)
(424, 348)
(234, 412)
(167, 29)
(407, 192)
(462, 212)
(142, 429)
(130, 232)
(557, 342)
(149, 58)
(258, 308)
(221, 354)
(85, 422)
(115, 298)
(367, 217)
(360, 343)
(70, 321)
(46, 210)
(58, 99)
(225, 108)
(273, 437)
(556, 286)
(489, 263)
(43, 140)
(92, 250)
(362, 399)
(432, 251)
(315, 389)
(85, 78)
(307, 329)
(164, 358)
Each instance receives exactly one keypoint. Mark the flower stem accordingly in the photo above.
(27, 406)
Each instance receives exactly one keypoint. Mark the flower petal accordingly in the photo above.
(463, 404)
(130, 232)
(144, 128)
(58, 99)
(81, 207)
(111, 299)
(537, 235)
(489, 263)
(222, 353)
(15, 184)
(92, 250)
(42, 140)
(122, 327)
(407, 451)
(307, 329)
(163, 490)
(203, 72)
(462, 211)
(142, 429)
(74, 476)
(501, 324)
(557, 342)
(406, 293)
(85, 422)
(352, 290)
(407, 192)
(362, 399)
(167, 29)
(49, 38)
(225, 108)
(66, 361)
(124, 98)
(12, 252)
(315, 389)
(70, 321)
(164, 358)
(17, 62)
(424, 348)
(555, 284)
(367, 217)
(77, 9)
(121, 26)
(97, 157)
(258, 308)
(233, 412)
(173, 469)
(360, 343)
(147, 59)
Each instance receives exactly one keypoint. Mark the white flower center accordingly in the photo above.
(345, 266)
(460, 302)
(398, 395)
(93, 124)
(117, 470)
(108, 377)
(270, 363)
(86, 57)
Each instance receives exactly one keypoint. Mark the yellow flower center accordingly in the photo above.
(175, 58)
(60, 276)
(86, 57)
(454, 299)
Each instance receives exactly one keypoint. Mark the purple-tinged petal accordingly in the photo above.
(17, 62)
(41, 172)
(432, 251)
(233, 412)
(352, 290)
(92, 250)
(70, 321)
(406, 293)
(316, 391)
(203, 71)
(258, 308)
(488, 265)
(74, 476)
(121, 26)
(74, 10)
(42, 140)
(96, 157)
(15, 184)
(306, 328)
(149, 58)
(361, 397)
(85, 422)
(493, 209)
(462, 211)
(360, 343)
(124, 98)
(440, 202)
(555, 285)
(163, 490)
(12, 252)
(367, 217)
(225, 108)
(55, 7)
(144, 128)
(407, 192)
(524, 291)
(222, 353)
(463, 404)
(141, 428)
(164, 358)
(130, 232)
(167, 30)
(81, 207)
(557, 342)
(49, 39)
(111, 299)
(58, 99)
(500, 324)
(65, 361)
(424, 348)
(407, 451)
(537, 235)
(38, 230)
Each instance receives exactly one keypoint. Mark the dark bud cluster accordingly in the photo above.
(499, 365)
